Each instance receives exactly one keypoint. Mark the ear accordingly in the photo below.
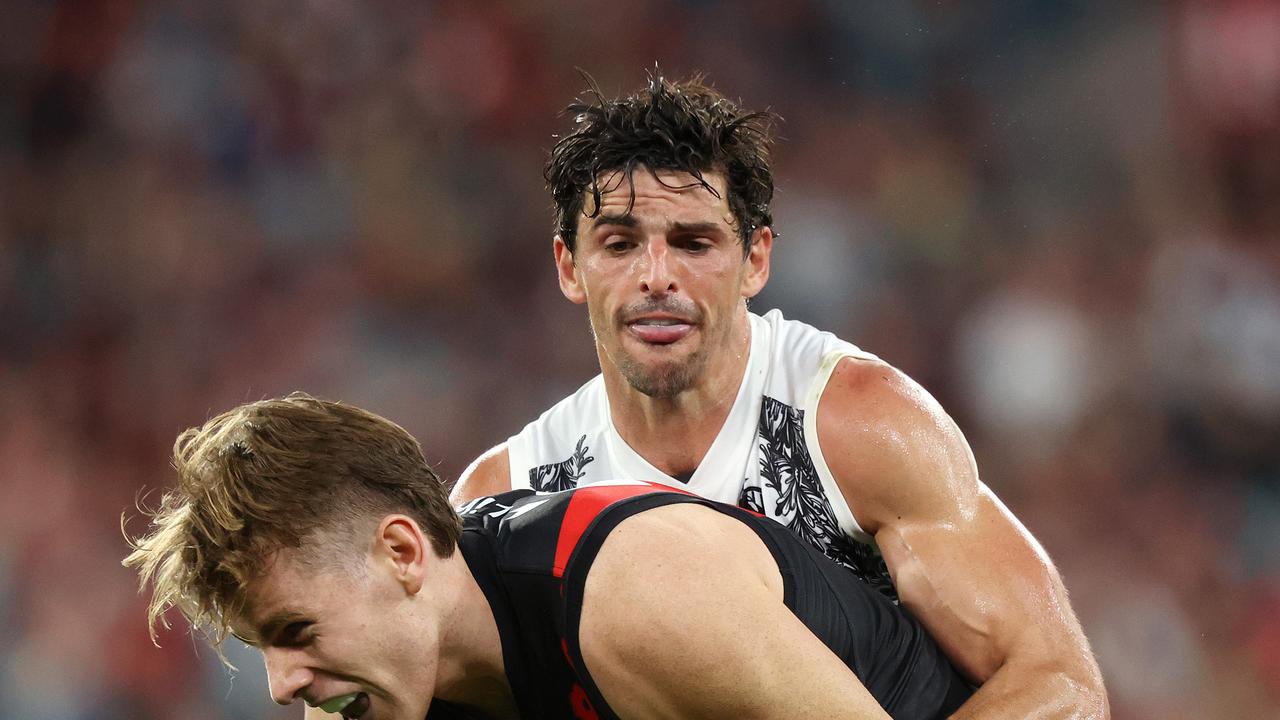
(757, 262)
(400, 546)
(570, 283)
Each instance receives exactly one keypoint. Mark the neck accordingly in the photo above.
(674, 433)
(472, 671)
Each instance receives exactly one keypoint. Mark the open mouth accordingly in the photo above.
(350, 706)
(660, 330)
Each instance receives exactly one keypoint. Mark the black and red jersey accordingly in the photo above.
(531, 552)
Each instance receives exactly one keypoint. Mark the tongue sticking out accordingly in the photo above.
(660, 334)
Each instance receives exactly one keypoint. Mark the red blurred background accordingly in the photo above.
(1061, 218)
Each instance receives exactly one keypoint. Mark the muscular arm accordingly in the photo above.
(962, 563)
(489, 474)
(675, 647)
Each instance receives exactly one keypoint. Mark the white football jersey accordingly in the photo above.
(766, 457)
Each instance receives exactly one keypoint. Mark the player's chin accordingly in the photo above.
(665, 361)
(659, 377)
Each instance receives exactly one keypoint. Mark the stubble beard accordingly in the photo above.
(664, 380)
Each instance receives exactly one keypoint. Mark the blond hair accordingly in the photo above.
(277, 474)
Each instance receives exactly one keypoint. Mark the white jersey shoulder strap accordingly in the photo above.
(803, 360)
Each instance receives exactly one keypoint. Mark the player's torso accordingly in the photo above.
(520, 547)
(765, 457)
(531, 554)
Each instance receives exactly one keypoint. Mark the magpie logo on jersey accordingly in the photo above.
(791, 493)
(563, 475)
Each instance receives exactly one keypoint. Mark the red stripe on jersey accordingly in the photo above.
(587, 502)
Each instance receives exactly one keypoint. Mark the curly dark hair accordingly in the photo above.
(683, 125)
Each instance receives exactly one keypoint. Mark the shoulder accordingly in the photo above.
(689, 546)
(798, 337)
(869, 385)
(661, 624)
(488, 474)
(800, 356)
(676, 537)
(663, 572)
(890, 445)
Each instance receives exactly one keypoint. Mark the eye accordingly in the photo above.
(295, 634)
(694, 245)
(617, 244)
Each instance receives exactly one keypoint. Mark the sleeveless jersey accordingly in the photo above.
(531, 552)
(766, 457)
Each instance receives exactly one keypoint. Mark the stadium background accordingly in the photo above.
(1060, 217)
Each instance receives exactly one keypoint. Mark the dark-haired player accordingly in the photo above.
(664, 231)
(317, 532)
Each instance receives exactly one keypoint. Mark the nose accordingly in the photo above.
(656, 271)
(287, 674)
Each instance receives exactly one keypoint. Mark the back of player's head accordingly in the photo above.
(275, 474)
(686, 126)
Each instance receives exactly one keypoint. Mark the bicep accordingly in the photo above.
(982, 586)
(489, 474)
(962, 563)
(678, 629)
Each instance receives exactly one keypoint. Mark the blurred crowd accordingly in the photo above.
(1061, 218)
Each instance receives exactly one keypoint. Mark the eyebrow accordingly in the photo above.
(684, 228)
(268, 630)
(696, 228)
(627, 220)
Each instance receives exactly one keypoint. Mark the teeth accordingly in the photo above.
(658, 322)
(338, 704)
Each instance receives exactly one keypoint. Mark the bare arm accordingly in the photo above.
(675, 647)
(962, 563)
(488, 474)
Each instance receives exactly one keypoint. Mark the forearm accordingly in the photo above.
(1059, 691)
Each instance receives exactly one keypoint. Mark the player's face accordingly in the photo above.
(665, 280)
(335, 639)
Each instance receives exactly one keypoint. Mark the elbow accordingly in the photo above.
(1084, 696)
(1079, 682)
(1073, 693)
(1059, 689)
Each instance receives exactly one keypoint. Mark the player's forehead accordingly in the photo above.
(282, 589)
(673, 194)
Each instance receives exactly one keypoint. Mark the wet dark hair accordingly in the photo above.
(684, 125)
